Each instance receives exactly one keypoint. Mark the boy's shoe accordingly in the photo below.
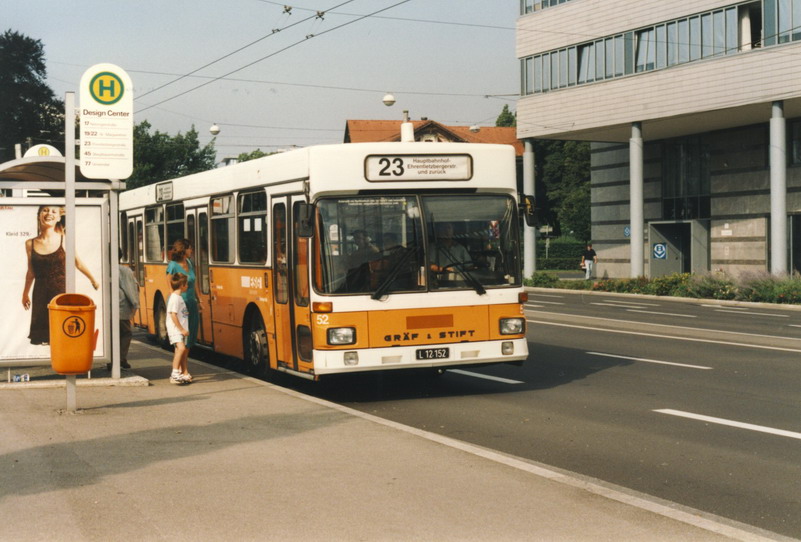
(177, 378)
(187, 377)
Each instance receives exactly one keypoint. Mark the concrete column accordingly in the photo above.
(529, 233)
(637, 222)
(778, 190)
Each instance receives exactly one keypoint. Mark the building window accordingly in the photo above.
(655, 47)
(527, 6)
(795, 142)
(685, 179)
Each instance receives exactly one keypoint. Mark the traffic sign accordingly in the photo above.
(660, 251)
(106, 134)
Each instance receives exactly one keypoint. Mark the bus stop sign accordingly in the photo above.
(106, 134)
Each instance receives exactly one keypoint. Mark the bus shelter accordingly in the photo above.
(33, 206)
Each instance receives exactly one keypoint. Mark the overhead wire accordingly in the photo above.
(254, 42)
(272, 55)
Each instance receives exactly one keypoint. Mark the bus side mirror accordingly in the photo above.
(529, 210)
(304, 219)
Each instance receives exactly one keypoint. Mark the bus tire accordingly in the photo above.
(255, 345)
(160, 314)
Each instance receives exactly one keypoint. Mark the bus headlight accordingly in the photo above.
(512, 326)
(341, 335)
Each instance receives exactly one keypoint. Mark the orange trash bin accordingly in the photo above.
(72, 333)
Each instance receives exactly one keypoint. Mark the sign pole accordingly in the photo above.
(69, 188)
(69, 237)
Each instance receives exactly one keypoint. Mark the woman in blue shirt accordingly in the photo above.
(180, 262)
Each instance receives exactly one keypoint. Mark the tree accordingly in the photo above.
(506, 118)
(29, 110)
(158, 157)
(564, 169)
(258, 153)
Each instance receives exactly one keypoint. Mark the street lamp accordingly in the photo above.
(215, 129)
(389, 99)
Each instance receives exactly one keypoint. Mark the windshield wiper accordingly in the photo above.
(460, 267)
(383, 288)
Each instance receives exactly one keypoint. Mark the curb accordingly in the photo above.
(696, 300)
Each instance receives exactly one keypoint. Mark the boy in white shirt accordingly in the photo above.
(177, 324)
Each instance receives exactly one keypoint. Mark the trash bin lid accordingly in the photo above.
(70, 300)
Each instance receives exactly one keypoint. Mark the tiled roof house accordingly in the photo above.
(363, 131)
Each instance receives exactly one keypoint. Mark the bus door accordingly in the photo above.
(136, 257)
(197, 231)
(290, 287)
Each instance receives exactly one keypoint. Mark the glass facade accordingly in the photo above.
(527, 6)
(685, 179)
(670, 43)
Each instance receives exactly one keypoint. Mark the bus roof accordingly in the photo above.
(349, 168)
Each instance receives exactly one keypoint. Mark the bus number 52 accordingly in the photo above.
(391, 167)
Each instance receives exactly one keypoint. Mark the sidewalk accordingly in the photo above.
(233, 458)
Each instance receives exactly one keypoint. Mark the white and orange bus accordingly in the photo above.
(343, 258)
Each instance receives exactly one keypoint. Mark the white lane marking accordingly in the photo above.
(686, 515)
(665, 313)
(673, 337)
(652, 361)
(485, 377)
(671, 326)
(731, 423)
(534, 306)
(718, 306)
(617, 305)
(689, 516)
(631, 303)
(756, 313)
(546, 295)
(549, 302)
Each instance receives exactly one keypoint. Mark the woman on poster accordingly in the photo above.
(180, 262)
(46, 270)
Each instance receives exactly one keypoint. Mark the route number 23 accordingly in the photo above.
(391, 167)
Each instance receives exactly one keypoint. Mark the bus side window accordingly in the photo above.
(175, 224)
(280, 267)
(301, 262)
(222, 229)
(154, 230)
(252, 217)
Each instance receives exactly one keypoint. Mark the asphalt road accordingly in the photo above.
(695, 403)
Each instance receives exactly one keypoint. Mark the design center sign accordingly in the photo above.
(106, 106)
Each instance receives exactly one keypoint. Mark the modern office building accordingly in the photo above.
(693, 109)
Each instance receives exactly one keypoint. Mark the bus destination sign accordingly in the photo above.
(418, 167)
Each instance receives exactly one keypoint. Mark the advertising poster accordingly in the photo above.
(32, 237)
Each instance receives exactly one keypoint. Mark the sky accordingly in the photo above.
(271, 77)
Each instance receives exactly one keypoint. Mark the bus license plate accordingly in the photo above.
(433, 353)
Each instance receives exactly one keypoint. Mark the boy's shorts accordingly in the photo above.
(175, 339)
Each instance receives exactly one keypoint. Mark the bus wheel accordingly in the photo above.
(255, 339)
(162, 338)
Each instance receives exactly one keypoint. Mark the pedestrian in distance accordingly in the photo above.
(129, 304)
(177, 323)
(588, 261)
(181, 262)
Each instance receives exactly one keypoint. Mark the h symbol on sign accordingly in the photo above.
(108, 87)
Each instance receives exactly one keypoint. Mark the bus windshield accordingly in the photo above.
(382, 245)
